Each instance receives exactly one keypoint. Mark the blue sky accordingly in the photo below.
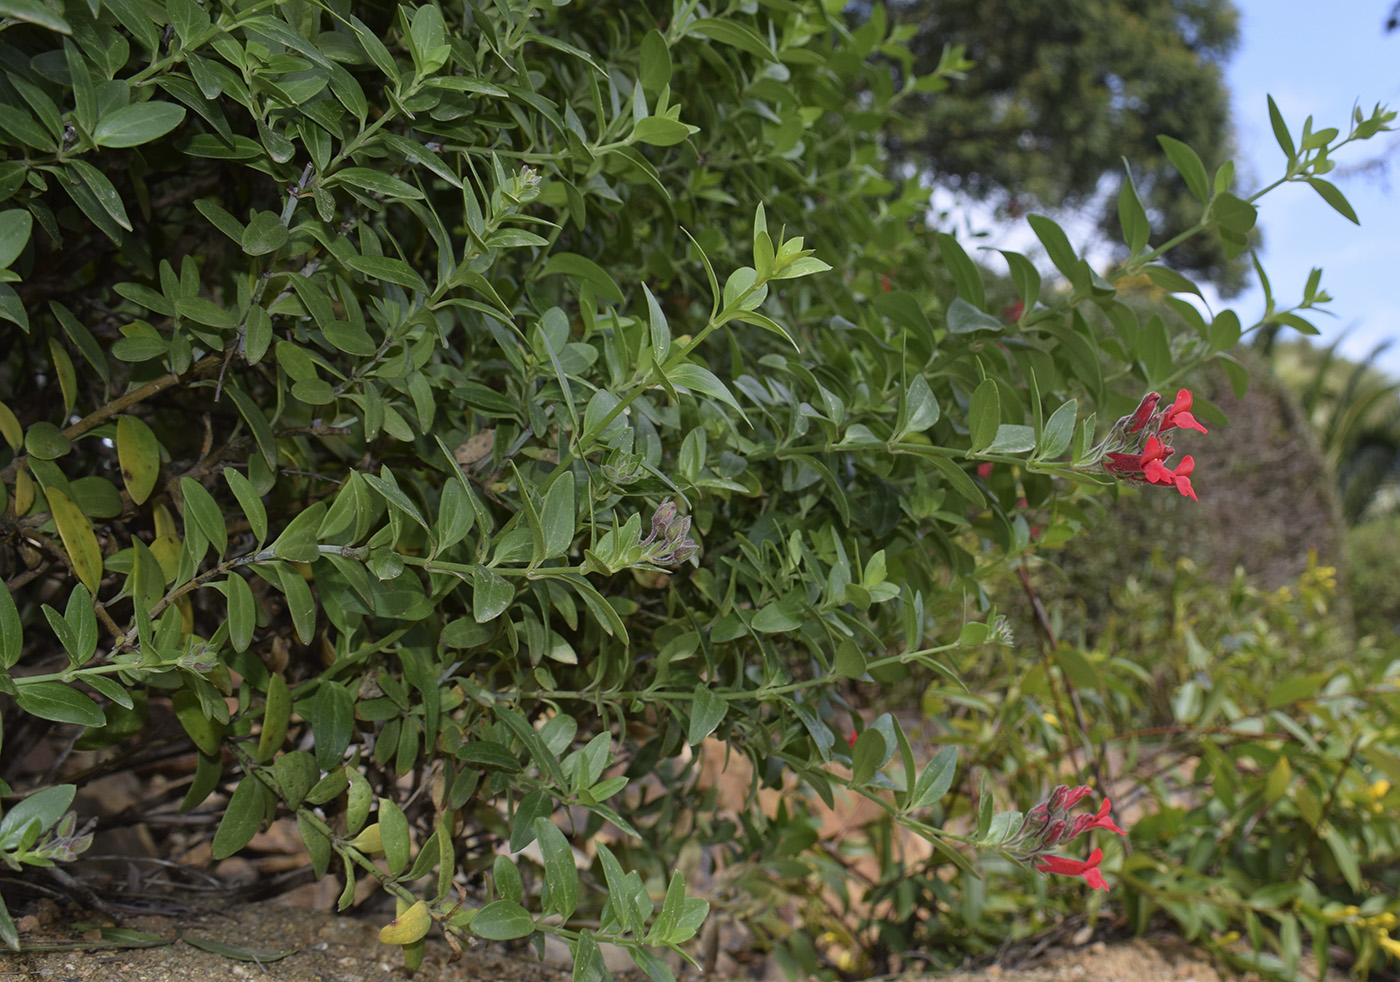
(1320, 64)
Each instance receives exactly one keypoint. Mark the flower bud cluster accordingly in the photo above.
(62, 845)
(1136, 449)
(1049, 824)
(669, 543)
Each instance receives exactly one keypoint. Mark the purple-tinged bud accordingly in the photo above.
(1144, 412)
(679, 530)
(661, 519)
(1054, 832)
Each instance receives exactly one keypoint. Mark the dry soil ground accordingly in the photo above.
(328, 948)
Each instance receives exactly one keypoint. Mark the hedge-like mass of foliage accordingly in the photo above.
(459, 415)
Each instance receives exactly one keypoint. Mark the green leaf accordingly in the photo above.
(661, 131)
(264, 234)
(297, 543)
(560, 874)
(250, 501)
(297, 774)
(557, 516)
(207, 734)
(257, 422)
(84, 93)
(131, 126)
(9, 934)
(850, 660)
(1170, 280)
(920, 406)
(1132, 216)
(46, 441)
(241, 818)
(702, 380)
(1285, 141)
(1225, 331)
(1056, 243)
(654, 64)
(45, 807)
(780, 617)
(34, 12)
(1233, 214)
(733, 33)
(389, 270)
(81, 620)
(15, 226)
(588, 960)
(660, 332)
(300, 604)
(491, 595)
(1012, 438)
(242, 612)
(1189, 165)
(332, 719)
(58, 702)
(393, 828)
(984, 415)
(11, 630)
(963, 318)
(1345, 854)
(707, 711)
(967, 278)
(936, 779)
(277, 713)
(206, 512)
(1335, 198)
(577, 267)
(1059, 430)
(664, 928)
(375, 182)
(102, 192)
(867, 755)
(502, 920)
(20, 127)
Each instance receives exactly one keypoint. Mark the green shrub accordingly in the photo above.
(1253, 756)
(1374, 551)
(356, 347)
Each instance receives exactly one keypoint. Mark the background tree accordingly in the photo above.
(1063, 92)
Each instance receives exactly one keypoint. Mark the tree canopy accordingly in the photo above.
(1062, 93)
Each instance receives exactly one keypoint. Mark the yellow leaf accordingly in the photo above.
(138, 452)
(78, 539)
(67, 378)
(370, 841)
(24, 492)
(165, 522)
(10, 428)
(166, 549)
(408, 927)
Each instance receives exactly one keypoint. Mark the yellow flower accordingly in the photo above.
(1389, 944)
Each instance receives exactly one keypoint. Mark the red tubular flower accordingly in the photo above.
(1089, 868)
(1179, 414)
(1064, 797)
(1146, 466)
(1084, 823)
(1159, 473)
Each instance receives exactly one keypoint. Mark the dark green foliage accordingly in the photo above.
(1373, 549)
